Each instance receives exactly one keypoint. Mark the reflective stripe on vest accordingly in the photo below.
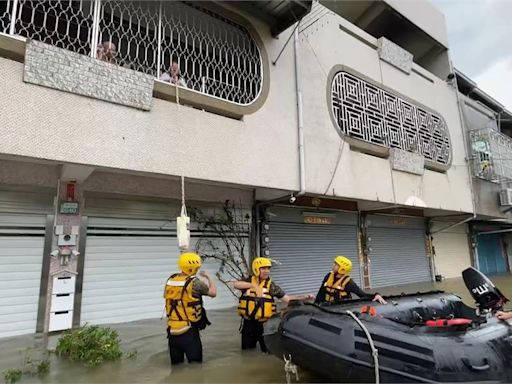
(252, 307)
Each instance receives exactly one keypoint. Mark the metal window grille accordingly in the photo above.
(133, 27)
(492, 155)
(65, 24)
(5, 15)
(215, 55)
(369, 113)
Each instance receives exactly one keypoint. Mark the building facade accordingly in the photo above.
(339, 133)
(488, 125)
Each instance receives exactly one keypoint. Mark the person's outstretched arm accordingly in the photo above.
(352, 287)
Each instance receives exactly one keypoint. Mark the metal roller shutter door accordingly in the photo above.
(491, 254)
(126, 265)
(306, 253)
(398, 256)
(21, 259)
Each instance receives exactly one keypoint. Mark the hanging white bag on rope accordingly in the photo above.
(183, 222)
(183, 229)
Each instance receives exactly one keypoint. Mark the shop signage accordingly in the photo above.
(69, 208)
(318, 220)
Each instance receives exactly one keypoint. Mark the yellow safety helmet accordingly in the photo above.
(258, 263)
(344, 263)
(189, 263)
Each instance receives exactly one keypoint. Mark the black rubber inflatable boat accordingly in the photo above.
(422, 337)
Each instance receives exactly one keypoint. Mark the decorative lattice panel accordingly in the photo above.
(369, 113)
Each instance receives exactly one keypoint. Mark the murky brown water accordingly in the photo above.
(224, 361)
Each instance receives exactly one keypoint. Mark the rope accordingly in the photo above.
(183, 243)
(177, 96)
(183, 206)
(375, 352)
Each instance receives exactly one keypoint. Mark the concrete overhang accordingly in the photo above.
(381, 19)
(470, 88)
(278, 14)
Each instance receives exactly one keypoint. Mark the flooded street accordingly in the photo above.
(224, 361)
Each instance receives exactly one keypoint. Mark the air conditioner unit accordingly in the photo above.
(506, 197)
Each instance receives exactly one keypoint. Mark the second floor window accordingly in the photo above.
(179, 42)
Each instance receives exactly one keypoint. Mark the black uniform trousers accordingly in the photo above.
(187, 344)
(252, 334)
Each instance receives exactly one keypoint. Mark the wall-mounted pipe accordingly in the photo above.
(493, 232)
(300, 114)
(454, 225)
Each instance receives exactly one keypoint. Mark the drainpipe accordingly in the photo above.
(467, 149)
(300, 115)
(300, 129)
(464, 139)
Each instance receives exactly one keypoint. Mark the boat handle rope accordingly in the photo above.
(375, 352)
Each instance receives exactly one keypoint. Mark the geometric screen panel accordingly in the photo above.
(369, 113)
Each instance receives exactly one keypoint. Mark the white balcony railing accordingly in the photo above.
(215, 55)
(492, 155)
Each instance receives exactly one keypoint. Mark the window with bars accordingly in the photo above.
(5, 15)
(216, 55)
(491, 155)
(65, 24)
(369, 113)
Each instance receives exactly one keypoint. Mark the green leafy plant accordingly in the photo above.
(42, 368)
(12, 375)
(224, 236)
(92, 345)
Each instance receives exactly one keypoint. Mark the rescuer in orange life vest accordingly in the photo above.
(338, 286)
(256, 304)
(184, 306)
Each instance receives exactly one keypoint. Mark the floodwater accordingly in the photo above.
(224, 361)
